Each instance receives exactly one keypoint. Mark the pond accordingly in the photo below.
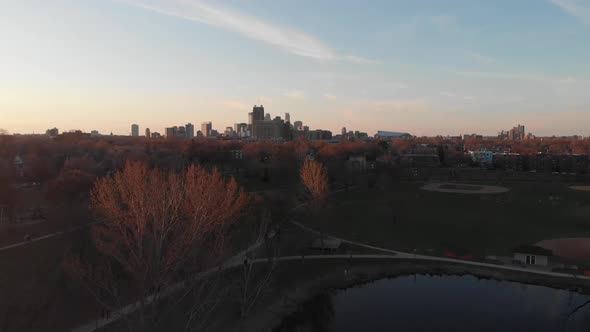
(442, 303)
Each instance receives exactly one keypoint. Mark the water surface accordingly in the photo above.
(442, 303)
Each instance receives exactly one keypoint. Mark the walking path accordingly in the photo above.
(46, 236)
(238, 260)
(407, 255)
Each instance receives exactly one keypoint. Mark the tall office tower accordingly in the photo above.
(190, 130)
(148, 133)
(344, 131)
(134, 130)
(267, 117)
(181, 132)
(257, 113)
(206, 128)
(298, 125)
(171, 132)
(287, 117)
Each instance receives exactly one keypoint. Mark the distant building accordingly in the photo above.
(356, 163)
(482, 158)
(269, 129)
(267, 117)
(298, 125)
(190, 130)
(156, 135)
(516, 133)
(19, 166)
(241, 130)
(148, 133)
(257, 113)
(472, 136)
(171, 132)
(343, 132)
(288, 117)
(181, 132)
(532, 255)
(52, 132)
(94, 133)
(134, 130)
(206, 128)
(391, 135)
(229, 132)
(319, 135)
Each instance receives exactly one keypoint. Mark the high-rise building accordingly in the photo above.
(288, 117)
(298, 125)
(148, 133)
(241, 130)
(206, 128)
(171, 132)
(190, 130)
(181, 132)
(344, 131)
(257, 113)
(134, 130)
(270, 129)
(52, 132)
(267, 117)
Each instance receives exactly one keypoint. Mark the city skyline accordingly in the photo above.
(428, 68)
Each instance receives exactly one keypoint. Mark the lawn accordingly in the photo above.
(404, 217)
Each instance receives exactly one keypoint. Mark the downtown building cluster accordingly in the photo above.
(260, 126)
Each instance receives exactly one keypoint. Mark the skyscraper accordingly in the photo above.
(206, 128)
(171, 132)
(257, 113)
(267, 117)
(148, 133)
(287, 117)
(298, 125)
(190, 130)
(134, 130)
(344, 131)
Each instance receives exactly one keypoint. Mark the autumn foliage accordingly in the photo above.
(315, 179)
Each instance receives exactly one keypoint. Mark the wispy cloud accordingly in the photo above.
(287, 39)
(479, 58)
(522, 77)
(579, 9)
(444, 21)
(294, 94)
(329, 96)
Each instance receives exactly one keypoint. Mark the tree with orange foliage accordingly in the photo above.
(159, 228)
(315, 179)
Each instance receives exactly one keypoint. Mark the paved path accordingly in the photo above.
(234, 261)
(46, 236)
(407, 255)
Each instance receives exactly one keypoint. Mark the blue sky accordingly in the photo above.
(426, 67)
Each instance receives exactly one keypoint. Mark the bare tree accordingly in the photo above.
(160, 228)
(314, 177)
(257, 275)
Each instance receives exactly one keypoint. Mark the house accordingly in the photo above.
(19, 166)
(356, 163)
(236, 154)
(532, 255)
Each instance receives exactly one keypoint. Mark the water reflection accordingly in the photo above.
(442, 303)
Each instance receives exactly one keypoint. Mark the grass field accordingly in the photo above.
(405, 217)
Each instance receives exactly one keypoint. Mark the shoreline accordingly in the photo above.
(270, 313)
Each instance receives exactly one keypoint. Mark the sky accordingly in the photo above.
(426, 67)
